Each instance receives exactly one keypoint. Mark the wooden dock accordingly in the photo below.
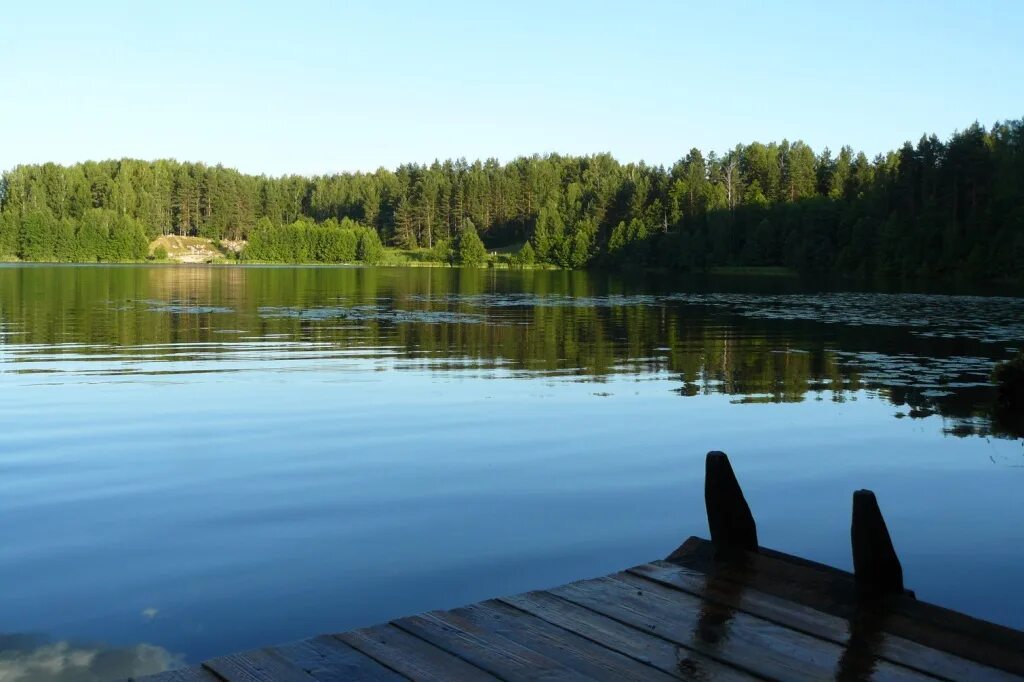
(721, 609)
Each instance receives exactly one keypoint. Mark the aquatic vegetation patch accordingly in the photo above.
(530, 300)
(934, 377)
(370, 313)
(183, 308)
(987, 319)
(983, 318)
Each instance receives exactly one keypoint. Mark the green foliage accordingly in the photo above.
(36, 236)
(160, 253)
(526, 257)
(945, 208)
(260, 246)
(99, 235)
(65, 241)
(370, 250)
(93, 233)
(629, 242)
(441, 251)
(285, 244)
(331, 243)
(8, 236)
(127, 240)
(469, 250)
(573, 249)
(306, 242)
(548, 231)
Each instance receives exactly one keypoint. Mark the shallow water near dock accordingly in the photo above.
(198, 460)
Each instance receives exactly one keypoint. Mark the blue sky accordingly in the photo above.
(318, 87)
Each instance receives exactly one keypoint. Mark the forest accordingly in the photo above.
(952, 208)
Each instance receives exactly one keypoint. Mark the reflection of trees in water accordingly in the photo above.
(534, 321)
(25, 658)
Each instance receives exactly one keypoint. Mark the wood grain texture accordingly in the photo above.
(833, 591)
(733, 637)
(329, 659)
(659, 653)
(818, 623)
(577, 653)
(499, 656)
(257, 665)
(411, 656)
(193, 674)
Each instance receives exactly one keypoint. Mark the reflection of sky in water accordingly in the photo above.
(24, 658)
(216, 471)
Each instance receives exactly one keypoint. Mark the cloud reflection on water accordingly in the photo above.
(30, 658)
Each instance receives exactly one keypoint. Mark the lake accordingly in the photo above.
(197, 460)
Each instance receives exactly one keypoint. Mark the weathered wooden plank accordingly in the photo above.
(816, 585)
(258, 665)
(657, 652)
(193, 674)
(330, 660)
(705, 630)
(575, 652)
(753, 644)
(501, 657)
(856, 659)
(831, 590)
(818, 623)
(411, 656)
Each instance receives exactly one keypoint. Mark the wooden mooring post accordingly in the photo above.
(876, 567)
(732, 526)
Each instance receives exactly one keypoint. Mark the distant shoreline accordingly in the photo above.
(754, 271)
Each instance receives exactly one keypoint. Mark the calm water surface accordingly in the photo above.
(196, 460)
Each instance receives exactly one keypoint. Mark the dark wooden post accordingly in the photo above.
(875, 565)
(732, 526)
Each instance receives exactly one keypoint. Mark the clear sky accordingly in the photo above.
(318, 87)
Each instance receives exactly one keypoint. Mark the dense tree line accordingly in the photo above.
(97, 235)
(305, 241)
(934, 208)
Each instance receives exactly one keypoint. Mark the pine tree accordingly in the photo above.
(469, 250)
